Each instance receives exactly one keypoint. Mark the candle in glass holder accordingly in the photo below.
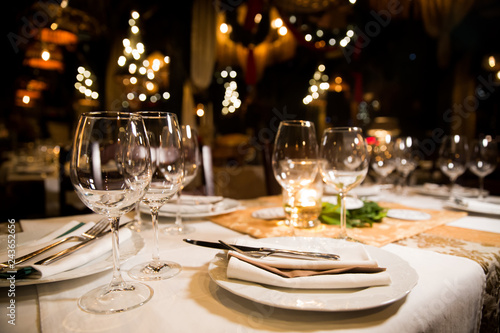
(303, 207)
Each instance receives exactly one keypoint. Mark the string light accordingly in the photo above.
(84, 83)
(231, 100)
(141, 78)
(318, 84)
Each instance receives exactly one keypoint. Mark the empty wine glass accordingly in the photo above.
(111, 171)
(382, 158)
(192, 162)
(295, 166)
(483, 159)
(168, 167)
(344, 164)
(407, 158)
(453, 158)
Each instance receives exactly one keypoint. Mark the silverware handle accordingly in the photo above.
(303, 253)
(63, 253)
(69, 250)
(42, 250)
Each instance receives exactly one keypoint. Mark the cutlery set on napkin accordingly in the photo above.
(30, 262)
(346, 266)
(474, 205)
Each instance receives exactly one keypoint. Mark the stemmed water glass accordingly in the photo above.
(111, 171)
(483, 159)
(192, 162)
(295, 163)
(382, 159)
(407, 158)
(453, 158)
(168, 167)
(344, 164)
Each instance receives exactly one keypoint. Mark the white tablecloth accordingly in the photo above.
(447, 298)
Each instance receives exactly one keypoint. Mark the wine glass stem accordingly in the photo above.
(404, 183)
(156, 247)
(481, 187)
(452, 187)
(117, 281)
(178, 217)
(343, 222)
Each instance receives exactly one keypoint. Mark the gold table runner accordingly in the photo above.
(388, 231)
(481, 246)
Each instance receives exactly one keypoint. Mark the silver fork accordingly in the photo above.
(283, 253)
(92, 233)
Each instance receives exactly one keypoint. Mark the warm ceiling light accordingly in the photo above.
(282, 31)
(491, 61)
(58, 36)
(45, 55)
(224, 28)
(277, 23)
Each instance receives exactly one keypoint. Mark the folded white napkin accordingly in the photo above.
(191, 204)
(187, 199)
(353, 255)
(70, 228)
(79, 258)
(482, 206)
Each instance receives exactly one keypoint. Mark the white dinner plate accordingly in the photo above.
(224, 206)
(403, 277)
(272, 213)
(351, 202)
(128, 249)
(361, 191)
(443, 191)
(408, 214)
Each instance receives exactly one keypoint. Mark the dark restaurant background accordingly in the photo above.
(411, 68)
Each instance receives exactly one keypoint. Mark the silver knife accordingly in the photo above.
(69, 250)
(272, 251)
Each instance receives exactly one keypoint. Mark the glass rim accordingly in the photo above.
(344, 129)
(154, 114)
(305, 123)
(107, 114)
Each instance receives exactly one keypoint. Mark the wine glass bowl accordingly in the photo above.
(192, 162)
(452, 158)
(110, 170)
(167, 162)
(483, 159)
(406, 152)
(344, 164)
(295, 166)
(382, 158)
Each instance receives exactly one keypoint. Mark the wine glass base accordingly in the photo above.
(348, 239)
(176, 230)
(106, 300)
(155, 270)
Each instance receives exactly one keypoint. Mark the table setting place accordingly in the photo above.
(307, 260)
(67, 252)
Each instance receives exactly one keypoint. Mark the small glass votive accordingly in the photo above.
(303, 207)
